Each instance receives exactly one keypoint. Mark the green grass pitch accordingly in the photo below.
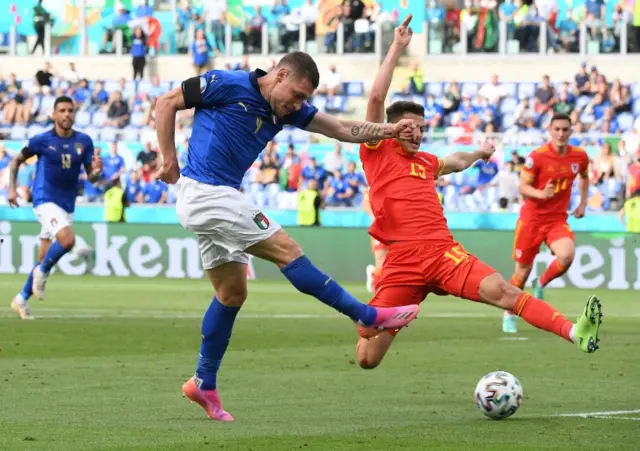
(101, 369)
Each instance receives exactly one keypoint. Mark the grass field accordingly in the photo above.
(101, 369)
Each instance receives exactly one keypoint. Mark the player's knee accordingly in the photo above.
(232, 295)
(66, 238)
(508, 295)
(565, 258)
(366, 360)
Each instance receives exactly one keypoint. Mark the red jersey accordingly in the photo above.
(634, 178)
(402, 193)
(543, 165)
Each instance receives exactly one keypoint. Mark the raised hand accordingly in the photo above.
(403, 34)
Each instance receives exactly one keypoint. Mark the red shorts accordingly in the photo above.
(377, 246)
(529, 235)
(412, 270)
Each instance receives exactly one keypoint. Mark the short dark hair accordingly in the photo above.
(397, 109)
(561, 117)
(302, 65)
(62, 99)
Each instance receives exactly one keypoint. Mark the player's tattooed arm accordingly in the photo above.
(356, 131)
(14, 168)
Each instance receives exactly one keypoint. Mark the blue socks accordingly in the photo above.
(217, 325)
(310, 280)
(54, 254)
(27, 290)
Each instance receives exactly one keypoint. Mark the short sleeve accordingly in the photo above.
(88, 153)
(531, 167)
(301, 119)
(206, 90)
(34, 144)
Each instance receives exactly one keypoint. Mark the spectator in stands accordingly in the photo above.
(330, 82)
(269, 170)
(99, 97)
(352, 10)
(563, 104)
(518, 161)
(199, 51)
(633, 184)
(334, 161)
(493, 91)
(507, 182)
(44, 78)
(41, 17)
(216, 15)
(507, 12)
(466, 109)
(17, 109)
(155, 191)
(312, 172)
(143, 10)
(356, 180)
(72, 76)
(620, 97)
(605, 165)
(309, 205)
(148, 155)
(338, 193)
(291, 169)
(243, 64)
(415, 85)
(156, 89)
(253, 32)
(607, 124)
(531, 135)
(138, 53)
(308, 13)
(545, 96)
(120, 22)
(133, 190)
(127, 90)
(117, 111)
(452, 98)
(487, 171)
(568, 32)
(182, 22)
(113, 164)
(5, 159)
(433, 113)
(82, 95)
(92, 192)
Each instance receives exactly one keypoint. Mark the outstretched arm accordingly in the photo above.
(380, 89)
(354, 131)
(459, 161)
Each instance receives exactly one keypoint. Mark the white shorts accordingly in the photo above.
(224, 220)
(53, 219)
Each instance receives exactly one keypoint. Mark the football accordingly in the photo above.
(499, 395)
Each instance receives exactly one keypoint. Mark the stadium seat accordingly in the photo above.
(508, 121)
(144, 87)
(469, 89)
(353, 88)
(526, 90)
(131, 134)
(93, 132)
(511, 89)
(99, 118)
(397, 97)
(137, 119)
(18, 132)
(28, 86)
(635, 90)
(636, 107)
(337, 104)
(418, 99)
(299, 136)
(111, 86)
(34, 130)
(509, 104)
(108, 134)
(320, 102)
(436, 88)
(625, 121)
(83, 119)
(582, 102)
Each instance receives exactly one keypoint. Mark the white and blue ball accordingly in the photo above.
(499, 395)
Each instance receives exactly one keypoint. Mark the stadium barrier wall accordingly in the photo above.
(153, 214)
(610, 261)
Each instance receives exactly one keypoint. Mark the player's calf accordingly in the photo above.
(370, 352)
(65, 240)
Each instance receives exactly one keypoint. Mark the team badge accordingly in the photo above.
(528, 163)
(54, 222)
(575, 167)
(79, 148)
(261, 221)
(518, 253)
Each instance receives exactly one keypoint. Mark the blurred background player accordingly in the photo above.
(61, 153)
(545, 183)
(378, 249)
(250, 108)
(423, 256)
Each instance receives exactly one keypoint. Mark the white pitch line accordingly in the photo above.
(599, 414)
(604, 417)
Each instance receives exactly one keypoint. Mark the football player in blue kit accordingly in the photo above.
(236, 115)
(61, 152)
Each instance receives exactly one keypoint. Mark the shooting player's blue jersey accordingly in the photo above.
(232, 125)
(58, 168)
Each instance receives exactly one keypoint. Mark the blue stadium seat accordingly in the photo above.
(111, 86)
(636, 107)
(635, 90)
(93, 132)
(108, 134)
(625, 121)
(337, 104)
(508, 121)
(509, 104)
(18, 132)
(34, 130)
(284, 136)
(28, 86)
(137, 119)
(397, 97)
(526, 90)
(299, 136)
(131, 134)
(511, 89)
(83, 119)
(418, 99)
(353, 88)
(436, 88)
(99, 118)
(469, 89)
(582, 102)
(320, 102)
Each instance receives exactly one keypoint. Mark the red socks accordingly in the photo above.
(541, 315)
(554, 271)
